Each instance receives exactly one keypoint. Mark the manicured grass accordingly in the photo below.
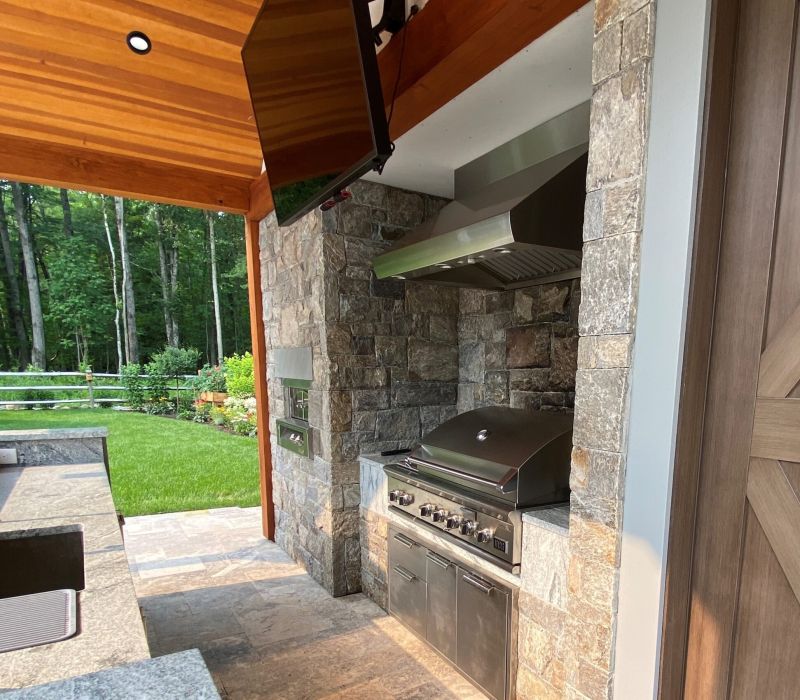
(161, 465)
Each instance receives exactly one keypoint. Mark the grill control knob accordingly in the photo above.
(439, 515)
(426, 509)
(394, 495)
(485, 535)
(453, 521)
(467, 527)
(405, 499)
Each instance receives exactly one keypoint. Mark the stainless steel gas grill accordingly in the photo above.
(472, 476)
(468, 484)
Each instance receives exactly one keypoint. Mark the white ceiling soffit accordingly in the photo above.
(550, 76)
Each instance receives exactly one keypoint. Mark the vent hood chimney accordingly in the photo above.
(521, 229)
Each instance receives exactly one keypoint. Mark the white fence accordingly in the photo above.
(89, 387)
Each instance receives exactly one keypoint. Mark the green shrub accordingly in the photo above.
(174, 362)
(156, 384)
(239, 376)
(135, 386)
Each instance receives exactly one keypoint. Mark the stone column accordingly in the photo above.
(621, 71)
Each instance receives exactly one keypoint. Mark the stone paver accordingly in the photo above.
(208, 579)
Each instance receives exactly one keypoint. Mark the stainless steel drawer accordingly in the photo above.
(407, 597)
(483, 632)
(441, 623)
(408, 553)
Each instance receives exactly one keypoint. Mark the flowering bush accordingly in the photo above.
(237, 415)
(210, 379)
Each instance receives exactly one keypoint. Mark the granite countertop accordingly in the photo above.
(110, 626)
(52, 434)
(181, 675)
(553, 518)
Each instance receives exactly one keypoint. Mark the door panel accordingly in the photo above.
(744, 607)
(767, 654)
(441, 622)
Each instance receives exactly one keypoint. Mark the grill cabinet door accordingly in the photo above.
(407, 587)
(482, 620)
(441, 624)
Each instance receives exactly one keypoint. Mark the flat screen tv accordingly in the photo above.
(314, 83)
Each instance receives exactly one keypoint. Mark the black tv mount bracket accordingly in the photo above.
(392, 20)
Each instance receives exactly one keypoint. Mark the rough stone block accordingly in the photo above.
(423, 393)
(337, 411)
(605, 351)
(551, 302)
(638, 35)
(432, 361)
(472, 301)
(405, 208)
(360, 252)
(593, 215)
(608, 11)
(609, 285)
(391, 351)
(333, 252)
(355, 220)
(430, 298)
(370, 193)
(528, 346)
(444, 328)
(398, 424)
(618, 127)
(537, 379)
(622, 207)
(471, 361)
(601, 402)
(370, 399)
(563, 363)
(496, 388)
(606, 53)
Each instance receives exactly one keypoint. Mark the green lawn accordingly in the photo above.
(160, 465)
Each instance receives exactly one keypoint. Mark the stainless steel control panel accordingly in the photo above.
(491, 534)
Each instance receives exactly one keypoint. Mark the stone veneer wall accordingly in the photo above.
(519, 348)
(621, 73)
(385, 365)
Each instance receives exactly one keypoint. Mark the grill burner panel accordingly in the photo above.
(491, 532)
(471, 477)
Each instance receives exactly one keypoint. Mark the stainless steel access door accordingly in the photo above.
(482, 636)
(441, 623)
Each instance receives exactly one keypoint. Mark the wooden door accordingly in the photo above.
(741, 637)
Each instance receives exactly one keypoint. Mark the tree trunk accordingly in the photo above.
(37, 321)
(68, 230)
(214, 285)
(114, 282)
(128, 301)
(164, 277)
(14, 301)
(173, 289)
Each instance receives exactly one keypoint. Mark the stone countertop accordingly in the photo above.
(181, 675)
(110, 626)
(52, 434)
(553, 518)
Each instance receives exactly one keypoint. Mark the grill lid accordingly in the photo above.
(500, 449)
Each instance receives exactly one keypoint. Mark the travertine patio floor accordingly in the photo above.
(208, 579)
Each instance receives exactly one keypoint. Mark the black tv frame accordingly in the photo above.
(373, 92)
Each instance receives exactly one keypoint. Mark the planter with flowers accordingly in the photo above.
(210, 385)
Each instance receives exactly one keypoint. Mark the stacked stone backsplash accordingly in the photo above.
(519, 348)
(385, 365)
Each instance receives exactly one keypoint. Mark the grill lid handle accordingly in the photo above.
(482, 435)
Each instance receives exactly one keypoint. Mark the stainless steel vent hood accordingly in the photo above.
(511, 230)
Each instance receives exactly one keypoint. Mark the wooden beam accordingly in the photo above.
(260, 370)
(260, 198)
(776, 429)
(450, 45)
(28, 160)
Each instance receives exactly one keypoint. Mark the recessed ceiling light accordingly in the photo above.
(139, 42)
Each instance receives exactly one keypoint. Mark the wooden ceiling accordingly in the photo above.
(79, 109)
(67, 78)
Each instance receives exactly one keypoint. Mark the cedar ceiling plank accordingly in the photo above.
(450, 47)
(36, 92)
(106, 141)
(15, 72)
(28, 160)
(129, 132)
